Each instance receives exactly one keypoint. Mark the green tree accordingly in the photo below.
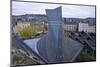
(27, 32)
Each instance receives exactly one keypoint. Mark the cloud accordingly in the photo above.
(19, 8)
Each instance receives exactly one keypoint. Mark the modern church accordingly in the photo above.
(54, 47)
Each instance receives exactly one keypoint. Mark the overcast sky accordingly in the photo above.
(75, 11)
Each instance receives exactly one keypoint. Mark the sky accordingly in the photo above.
(75, 11)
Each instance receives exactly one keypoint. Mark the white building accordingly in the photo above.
(86, 27)
(83, 27)
(22, 25)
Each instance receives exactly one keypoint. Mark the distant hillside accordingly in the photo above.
(91, 21)
(38, 17)
(29, 18)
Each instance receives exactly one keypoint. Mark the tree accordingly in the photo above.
(27, 32)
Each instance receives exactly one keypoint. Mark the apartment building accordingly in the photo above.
(70, 27)
(86, 27)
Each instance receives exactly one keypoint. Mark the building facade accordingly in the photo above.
(83, 27)
(91, 29)
(86, 27)
(70, 27)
